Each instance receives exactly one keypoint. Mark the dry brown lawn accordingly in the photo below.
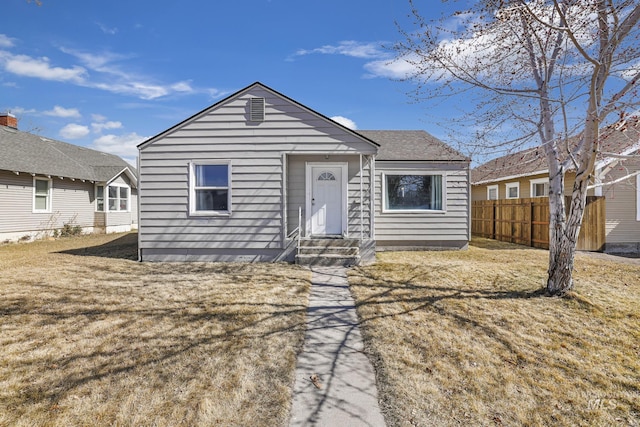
(88, 336)
(467, 338)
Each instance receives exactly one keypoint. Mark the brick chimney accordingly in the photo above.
(8, 120)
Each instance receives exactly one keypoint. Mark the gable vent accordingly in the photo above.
(256, 109)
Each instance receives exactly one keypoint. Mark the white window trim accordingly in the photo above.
(192, 188)
(48, 209)
(532, 184)
(106, 197)
(512, 185)
(493, 187)
(413, 211)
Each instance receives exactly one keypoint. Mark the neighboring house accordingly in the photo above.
(525, 174)
(45, 184)
(232, 181)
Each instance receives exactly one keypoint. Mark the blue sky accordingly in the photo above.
(109, 74)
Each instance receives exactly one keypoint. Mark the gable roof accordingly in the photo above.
(615, 140)
(205, 111)
(409, 145)
(28, 153)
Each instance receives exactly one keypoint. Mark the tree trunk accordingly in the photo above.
(563, 238)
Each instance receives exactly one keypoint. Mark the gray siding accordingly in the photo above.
(72, 203)
(256, 229)
(447, 229)
(296, 186)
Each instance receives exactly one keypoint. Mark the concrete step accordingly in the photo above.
(329, 250)
(330, 243)
(327, 260)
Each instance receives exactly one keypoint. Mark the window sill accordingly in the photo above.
(210, 214)
(413, 211)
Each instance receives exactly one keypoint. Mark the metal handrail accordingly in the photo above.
(298, 230)
(299, 226)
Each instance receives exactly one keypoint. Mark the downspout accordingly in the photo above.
(372, 196)
(469, 189)
(285, 200)
(138, 203)
(361, 203)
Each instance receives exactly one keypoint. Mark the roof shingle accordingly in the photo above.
(532, 161)
(29, 153)
(403, 145)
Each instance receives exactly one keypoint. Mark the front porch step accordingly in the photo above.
(328, 252)
(327, 260)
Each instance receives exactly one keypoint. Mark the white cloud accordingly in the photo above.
(21, 110)
(59, 111)
(98, 118)
(103, 71)
(74, 131)
(102, 125)
(5, 41)
(124, 146)
(182, 87)
(348, 48)
(107, 30)
(348, 123)
(27, 66)
(117, 80)
(398, 68)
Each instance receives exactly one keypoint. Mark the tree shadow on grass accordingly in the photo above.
(125, 247)
(150, 332)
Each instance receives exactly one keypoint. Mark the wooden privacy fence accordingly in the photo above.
(526, 222)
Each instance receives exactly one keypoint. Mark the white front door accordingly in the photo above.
(326, 199)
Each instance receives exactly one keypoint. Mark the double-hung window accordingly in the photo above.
(413, 193)
(540, 187)
(118, 197)
(41, 195)
(210, 189)
(492, 192)
(100, 198)
(513, 190)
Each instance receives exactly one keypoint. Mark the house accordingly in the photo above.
(46, 184)
(244, 178)
(525, 175)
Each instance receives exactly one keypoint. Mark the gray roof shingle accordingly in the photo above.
(29, 153)
(403, 145)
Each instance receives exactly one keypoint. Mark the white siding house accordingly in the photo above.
(242, 179)
(46, 184)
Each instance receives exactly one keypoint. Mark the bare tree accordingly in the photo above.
(554, 70)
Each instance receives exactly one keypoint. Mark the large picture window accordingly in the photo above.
(210, 189)
(41, 195)
(413, 193)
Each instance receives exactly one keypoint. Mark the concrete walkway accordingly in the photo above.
(335, 383)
